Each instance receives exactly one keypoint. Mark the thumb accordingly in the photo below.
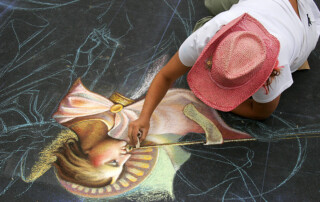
(144, 133)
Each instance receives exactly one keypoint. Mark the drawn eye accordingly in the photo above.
(113, 163)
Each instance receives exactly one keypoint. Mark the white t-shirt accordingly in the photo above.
(297, 36)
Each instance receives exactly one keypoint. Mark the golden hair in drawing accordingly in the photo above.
(73, 165)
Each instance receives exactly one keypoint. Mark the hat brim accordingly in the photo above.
(224, 99)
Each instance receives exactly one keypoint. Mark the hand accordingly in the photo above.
(138, 129)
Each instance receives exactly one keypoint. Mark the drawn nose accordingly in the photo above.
(123, 159)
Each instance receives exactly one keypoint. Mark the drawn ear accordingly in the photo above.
(90, 132)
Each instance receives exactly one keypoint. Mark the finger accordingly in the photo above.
(130, 134)
(144, 134)
(135, 132)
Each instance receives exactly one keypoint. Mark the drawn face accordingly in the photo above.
(110, 154)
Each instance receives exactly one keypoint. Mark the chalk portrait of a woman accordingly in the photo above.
(96, 157)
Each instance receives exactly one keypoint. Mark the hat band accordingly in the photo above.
(225, 87)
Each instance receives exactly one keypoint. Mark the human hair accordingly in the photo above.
(74, 166)
(275, 72)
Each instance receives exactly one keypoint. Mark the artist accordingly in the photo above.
(241, 60)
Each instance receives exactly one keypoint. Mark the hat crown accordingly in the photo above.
(237, 58)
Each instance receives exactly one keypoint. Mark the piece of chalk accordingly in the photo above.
(138, 143)
(138, 139)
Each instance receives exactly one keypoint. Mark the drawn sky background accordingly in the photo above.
(119, 45)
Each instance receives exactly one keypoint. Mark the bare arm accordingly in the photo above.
(159, 87)
(254, 110)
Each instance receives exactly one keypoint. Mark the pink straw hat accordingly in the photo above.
(236, 62)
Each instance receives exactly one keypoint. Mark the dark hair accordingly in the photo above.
(274, 73)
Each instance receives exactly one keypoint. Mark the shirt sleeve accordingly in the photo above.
(191, 48)
(316, 14)
(279, 84)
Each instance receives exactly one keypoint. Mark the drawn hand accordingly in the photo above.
(138, 129)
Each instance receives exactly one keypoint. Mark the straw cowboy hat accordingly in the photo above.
(235, 63)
